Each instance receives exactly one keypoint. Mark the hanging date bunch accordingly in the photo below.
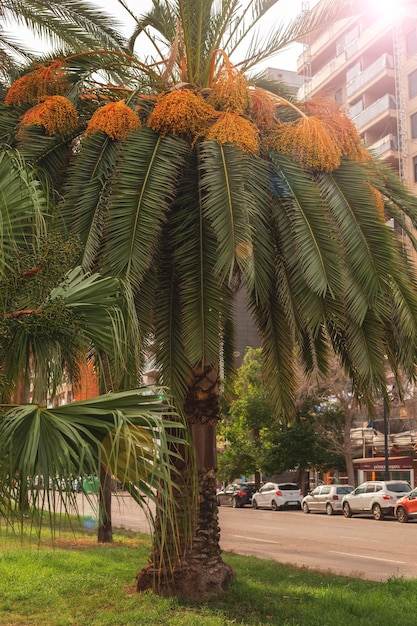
(31, 88)
(55, 114)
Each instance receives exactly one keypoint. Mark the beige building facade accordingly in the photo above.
(369, 64)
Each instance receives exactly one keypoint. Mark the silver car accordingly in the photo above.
(376, 497)
(277, 496)
(326, 499)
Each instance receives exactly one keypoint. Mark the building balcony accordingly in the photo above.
(323, 77)
(381, 68)
(385, 147)
(328, 38)
(329, 72)
(380, 109)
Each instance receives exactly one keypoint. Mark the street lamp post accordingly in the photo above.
(386, 412)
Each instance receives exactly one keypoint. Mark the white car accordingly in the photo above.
(326, 499)
(277, 496)
(375, 497)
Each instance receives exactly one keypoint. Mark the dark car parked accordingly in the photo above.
(236, 494)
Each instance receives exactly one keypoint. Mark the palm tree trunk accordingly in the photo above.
(105, 529)
(200, 572)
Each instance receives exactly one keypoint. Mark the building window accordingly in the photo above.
(412, 84)
(411, 43)
(415, 168)
(414, 126)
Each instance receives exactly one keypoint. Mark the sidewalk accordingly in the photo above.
(126, 513)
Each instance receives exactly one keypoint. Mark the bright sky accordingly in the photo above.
(284, 9)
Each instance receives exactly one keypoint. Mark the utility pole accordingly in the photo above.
(386, 452)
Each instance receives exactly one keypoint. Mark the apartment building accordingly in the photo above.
(369, 64)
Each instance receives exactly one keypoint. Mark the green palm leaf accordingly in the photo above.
(200, 290)
(135, 434)
(78, 24)
(144, 188)
(81, 314)
(307, 229)
(277, 339)
(23, 205)
(226, 205)
(89, 172)
(48, 154)
(170, 357)
(260, 278)
(367, 240)
(98, 302)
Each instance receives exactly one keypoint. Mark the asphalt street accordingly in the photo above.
(359, 546)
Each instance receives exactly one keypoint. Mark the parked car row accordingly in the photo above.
(273, 496)
(326, 499)
(378, 498)
(236, 495)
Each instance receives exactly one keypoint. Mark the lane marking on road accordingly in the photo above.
(372, 558)
(255, 539)
(367, 539)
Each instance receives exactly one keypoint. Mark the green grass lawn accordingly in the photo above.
(78, 582)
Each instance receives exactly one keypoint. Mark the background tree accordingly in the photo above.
(337, 435)
(299, 445)
(199, 182)
(250, 410)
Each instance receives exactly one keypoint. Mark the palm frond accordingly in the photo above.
(362, 351)
(84, 213)
(227, 206)
(54, 336)
(195, 254)
(366, 239)
(260, 281)
(400, 203)
(78, 24)
(48, 154)
(23, 206)
(98, 302)
(277, 340)
(144, 188)
(311, 235)
(9, 119)
(170, 357)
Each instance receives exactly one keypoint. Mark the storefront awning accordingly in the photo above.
(377, 464)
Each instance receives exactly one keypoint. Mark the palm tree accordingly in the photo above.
(198, 183)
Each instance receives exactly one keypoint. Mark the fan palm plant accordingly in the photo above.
(131, 436)
(198, 183)
(53, 318)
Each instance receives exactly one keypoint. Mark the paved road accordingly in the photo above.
(358, 546)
